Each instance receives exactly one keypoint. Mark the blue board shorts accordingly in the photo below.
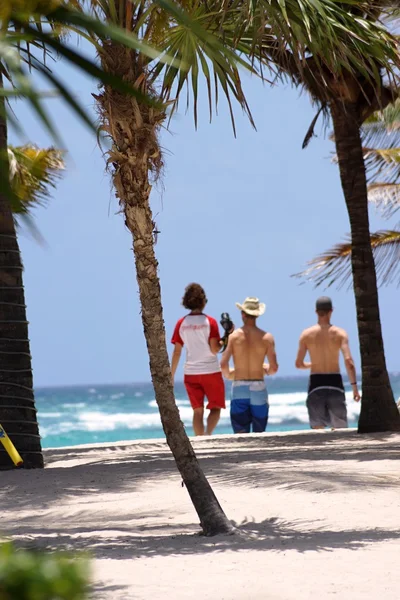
(249, 406)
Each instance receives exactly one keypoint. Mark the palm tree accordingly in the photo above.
(22, 35)
(381, 150)
(28, 30)
(351, 95)
(136, 161)
(32, 172)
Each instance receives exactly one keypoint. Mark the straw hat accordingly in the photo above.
(252, 306)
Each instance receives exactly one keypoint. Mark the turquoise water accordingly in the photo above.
(109, 413)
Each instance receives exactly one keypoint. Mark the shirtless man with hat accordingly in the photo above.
(248, 346)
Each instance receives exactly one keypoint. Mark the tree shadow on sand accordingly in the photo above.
(273, 535)
(284, 462)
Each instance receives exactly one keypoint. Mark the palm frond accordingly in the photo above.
(34, 173)
(334, 265)
(382, 164)
(211, 56)
(311, 40)
(386, 197)
(382, 129)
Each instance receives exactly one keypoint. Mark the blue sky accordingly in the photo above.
(237, 215)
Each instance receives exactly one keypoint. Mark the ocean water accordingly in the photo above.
(109, 413)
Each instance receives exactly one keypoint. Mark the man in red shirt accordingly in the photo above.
(202, 373)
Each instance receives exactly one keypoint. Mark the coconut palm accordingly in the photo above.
(32, 174)
(136, 161)
(350, 96)
(23, 34)
(29, 31)
(381, 149)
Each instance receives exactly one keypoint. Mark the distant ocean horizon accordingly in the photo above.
(90, 414)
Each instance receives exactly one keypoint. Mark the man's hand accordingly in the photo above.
(356, 393)
(301, 354)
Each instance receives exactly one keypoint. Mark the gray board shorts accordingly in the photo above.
(326, 401)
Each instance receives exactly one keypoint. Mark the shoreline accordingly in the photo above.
(199, 439)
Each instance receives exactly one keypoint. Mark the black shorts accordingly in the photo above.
(326, 401)
(327, 408)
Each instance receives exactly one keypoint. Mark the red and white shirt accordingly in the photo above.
(195, 332)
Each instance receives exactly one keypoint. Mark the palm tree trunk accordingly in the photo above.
(140, 223)
(378, 408)
(17, 407)
(135, 156)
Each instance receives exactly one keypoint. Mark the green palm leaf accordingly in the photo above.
(34, 172)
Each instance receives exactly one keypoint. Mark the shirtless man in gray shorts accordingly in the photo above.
(326, 401)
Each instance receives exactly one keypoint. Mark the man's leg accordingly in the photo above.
(214, 389)
(195, 392)
(212, 420)
(240, 407)
(240, 416)
(336, 403)
(259, 406)
(317, 410)
(198, 422)
(259, 417)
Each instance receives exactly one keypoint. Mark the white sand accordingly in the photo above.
(319, 512)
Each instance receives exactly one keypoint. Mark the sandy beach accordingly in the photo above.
(318, 512)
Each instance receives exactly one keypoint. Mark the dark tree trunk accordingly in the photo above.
(17, 407)
(378, 408)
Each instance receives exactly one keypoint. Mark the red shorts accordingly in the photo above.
(210, 385)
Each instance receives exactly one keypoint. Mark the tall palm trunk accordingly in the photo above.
(378, 408)
(136, 155)
(17, 407)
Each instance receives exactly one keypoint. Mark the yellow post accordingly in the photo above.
(10, 448)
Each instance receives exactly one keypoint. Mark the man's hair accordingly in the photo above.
(323, 306)
(245, 314)
(194, 297)
(323, 313)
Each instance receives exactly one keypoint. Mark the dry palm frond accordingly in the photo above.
(382, 164)
(334, 265)
(386, 197)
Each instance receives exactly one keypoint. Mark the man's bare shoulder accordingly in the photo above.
(339, 331)
(236, 333)
(268, 337)
(309, 332)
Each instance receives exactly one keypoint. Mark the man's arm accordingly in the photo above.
(215, 345)
(215, 341)
(175, 358)
(301, 354)
(226, 356)
(272, 367)
(350, 368)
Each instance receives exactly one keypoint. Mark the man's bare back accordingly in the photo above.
(248, 347)
(324, 343)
